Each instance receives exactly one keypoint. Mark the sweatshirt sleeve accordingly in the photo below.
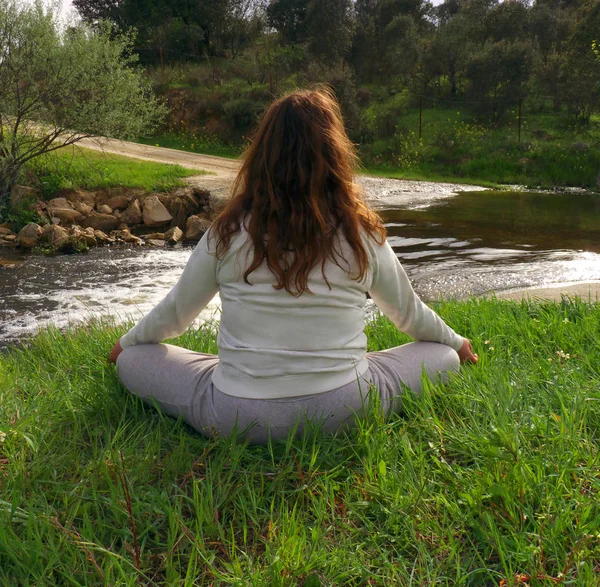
(194, 290)
(392, 292)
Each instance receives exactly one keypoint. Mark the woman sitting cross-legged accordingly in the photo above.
(293, 256)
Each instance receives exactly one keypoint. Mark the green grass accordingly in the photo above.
(493, 477)
(458, 147)
(77, 167)
(195, 142)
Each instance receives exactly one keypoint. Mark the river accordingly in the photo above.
(451, 245)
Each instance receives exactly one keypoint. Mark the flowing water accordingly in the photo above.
(452, 245)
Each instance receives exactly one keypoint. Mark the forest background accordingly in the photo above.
(479, 90)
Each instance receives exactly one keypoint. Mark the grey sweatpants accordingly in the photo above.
(179, 382)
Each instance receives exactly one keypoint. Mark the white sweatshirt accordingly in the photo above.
(273, 345)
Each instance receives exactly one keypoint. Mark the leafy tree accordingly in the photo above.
(582, 68)
(329, 28)
(57, 89)
(288, 18)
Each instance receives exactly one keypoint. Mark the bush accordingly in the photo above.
(385, 118)
(459, 138)
(241, 113)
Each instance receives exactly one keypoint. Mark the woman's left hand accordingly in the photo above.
(116, 351)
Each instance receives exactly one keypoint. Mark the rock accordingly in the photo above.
(155, 214)
(4, 230)
(155, 242)
(87, 198)
(29, 235)
(580, 146)
(88, 236)
(133, 214)
(54, 235)
(129, 238)
(158, 236)
(103, 237)
(21, 195)
(196, 227)
(82, 207)
(41, 210)
(101, 222)
(9, 238)
(61, 208)
(118, 202)
(104, 209)
(174, 235)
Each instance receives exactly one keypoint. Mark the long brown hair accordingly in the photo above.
(295, 191)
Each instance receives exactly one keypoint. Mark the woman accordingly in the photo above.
(293, 256)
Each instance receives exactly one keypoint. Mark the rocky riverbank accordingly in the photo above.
(78, 219)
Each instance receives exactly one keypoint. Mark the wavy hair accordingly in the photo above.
(295, 192)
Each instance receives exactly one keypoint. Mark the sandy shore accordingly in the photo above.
(587, 291)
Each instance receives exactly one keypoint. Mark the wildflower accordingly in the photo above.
(491, 348)
(566, 321)
(2, 436)
(549, 359)
(487, 341)
(562, 355)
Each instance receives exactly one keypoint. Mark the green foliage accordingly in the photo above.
(482, 481)
(242, 113)
(196, 142)
(56, 88)
(24, 216)
(71, 246)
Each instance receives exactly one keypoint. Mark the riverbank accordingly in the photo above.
(486, 480)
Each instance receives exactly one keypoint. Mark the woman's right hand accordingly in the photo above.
(466, 354)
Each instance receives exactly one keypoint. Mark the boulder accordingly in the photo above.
(81, 207)
(4, 230)
(9, 238)
(104, 209)
(88, 237)
(155, 242)
(21, 195)
(195, 227)
(174, 235)
(29, 235)
(87, 198)
(61, 208)
(127, 237)
(101, 222)
(155, 214)
(103, 238)
(54, 235)
(133, 214)
(118, 202)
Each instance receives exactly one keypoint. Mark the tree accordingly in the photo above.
(582, 72)
(57, 89)
(329, 28)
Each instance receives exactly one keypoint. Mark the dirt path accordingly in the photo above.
(223, 169)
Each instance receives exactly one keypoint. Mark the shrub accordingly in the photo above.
(241, 113)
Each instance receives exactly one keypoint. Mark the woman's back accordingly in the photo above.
(272, 344)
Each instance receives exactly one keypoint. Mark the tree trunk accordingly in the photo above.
(8, 179)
